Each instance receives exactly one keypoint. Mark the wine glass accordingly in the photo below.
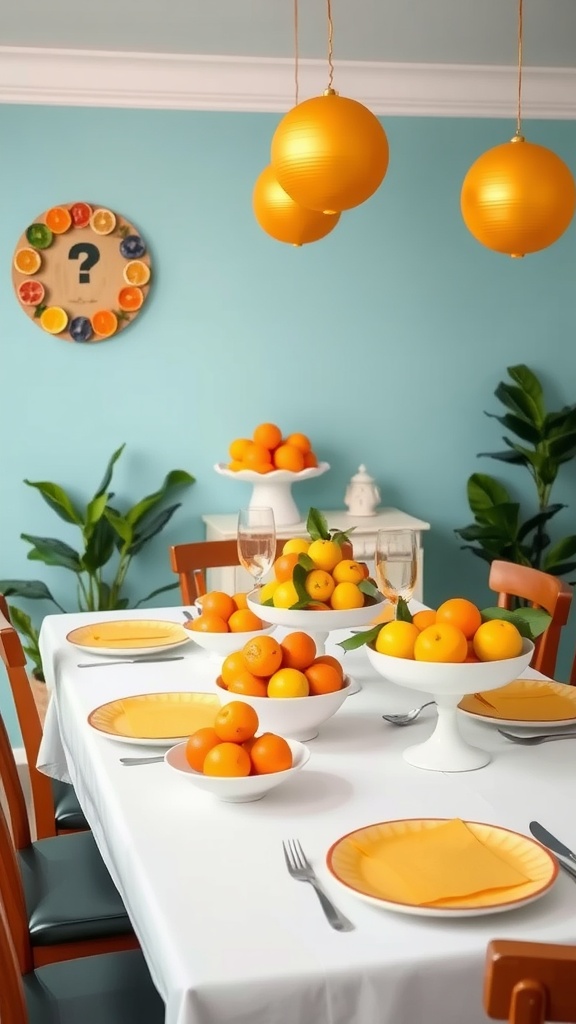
(256, 538)
(396, 564)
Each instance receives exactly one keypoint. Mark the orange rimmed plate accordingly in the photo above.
(129, 637)
(527, 703)
(155, 719)
(350, 860)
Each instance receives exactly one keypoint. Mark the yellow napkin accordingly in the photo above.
(525, 700)
(437, 866)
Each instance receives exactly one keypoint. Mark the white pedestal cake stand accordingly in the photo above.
(274, 489)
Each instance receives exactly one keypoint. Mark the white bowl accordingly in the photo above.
(296, 718)
(317, 624)
(233, 790)
(222, 644)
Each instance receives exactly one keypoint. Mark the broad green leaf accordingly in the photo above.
(58, 500)
(160, 590)
(94, 512)
(486, 556)
(369, 588)
(31, 590)
(105, 482)
(299, 579)
(403, 613)
(22, 622)
(565, 548)
(527, 380)
(504, 517)
(52, 552)
(484, 492)
(306, 562)
(103, 600)
(317, 525)
(520, 403)
(562, 446)
(360, 639)
(518, 425)
(175, 479)
(120, 525)
(153, 526)
(538, 520)
(556, 424)
(100, 548)
(341, 536)
(530, 622)
(511, 457)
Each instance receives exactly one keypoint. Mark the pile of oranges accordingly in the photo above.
(231, 749)
(332, 582)
(266, 667)
(222, 613)
(268, 449)
(454, 632)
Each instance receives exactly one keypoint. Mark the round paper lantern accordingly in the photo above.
(329, 153)
(279, 216)
(518, 198)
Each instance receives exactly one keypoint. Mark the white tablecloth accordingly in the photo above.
(228, 935)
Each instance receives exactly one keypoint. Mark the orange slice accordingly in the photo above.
(27, 261)
(136, 272)
(54, 319)
(104, 323)
(103, 221)
(130, 299)
(58, 219)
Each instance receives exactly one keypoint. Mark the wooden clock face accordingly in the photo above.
(81, 272)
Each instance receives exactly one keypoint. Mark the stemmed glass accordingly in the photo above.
(256, 538)
(396, 564)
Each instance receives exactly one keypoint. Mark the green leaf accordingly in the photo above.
(22, 622)
(537, 521)
(512, 458)
(31, 590)
(341, 537)
(317, 525)
(484, 492)
(175, 479)
(369, 588)
(160, 590)
(563, 446)
(299, 579)
(565, 548)
(528, 381)
(105, 482)
(518, 425)
(360, 639)
(94, 512)
(530, 622)
(100, 547)
(403, 613)
(305, 561)
(520, 403)
(153, 526)
(120, 525)
(53, 552)
(58, 500)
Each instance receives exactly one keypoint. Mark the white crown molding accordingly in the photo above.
(160, 81)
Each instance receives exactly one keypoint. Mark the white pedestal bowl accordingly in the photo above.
(317, 624)
(274, 489)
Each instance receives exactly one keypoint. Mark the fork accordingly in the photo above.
(301, 869)
(531, 741)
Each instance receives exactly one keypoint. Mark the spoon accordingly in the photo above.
(140, 760)
(409, 716)
(187, 615)
(531, 741)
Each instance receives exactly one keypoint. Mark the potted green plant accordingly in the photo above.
(545, 442)
(110, 539)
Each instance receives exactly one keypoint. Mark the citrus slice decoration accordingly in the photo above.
(130, 299)
(136, 272)
(132, 247)
(104, 323)
(80, 214)
(103, 221)
(39, 236)
(54, 319)
(80, 329)
(31, 292)
(58, 219)
(27, 261)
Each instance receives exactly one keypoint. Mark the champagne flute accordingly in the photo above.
(396, 564)
(256, 538)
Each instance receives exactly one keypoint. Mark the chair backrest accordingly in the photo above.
(12, 1001)
(14, 660)
(11, 887)
(190, 562)
(530, 982)
(542, 590)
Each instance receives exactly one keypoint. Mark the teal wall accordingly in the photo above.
(384, 342)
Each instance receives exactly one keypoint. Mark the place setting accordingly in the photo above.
(129, 638)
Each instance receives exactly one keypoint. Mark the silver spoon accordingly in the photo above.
(409, 716)
(140, 760)
(187, 615)
(531, 741)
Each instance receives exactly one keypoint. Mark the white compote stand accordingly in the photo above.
(317, 624)
(274, 489)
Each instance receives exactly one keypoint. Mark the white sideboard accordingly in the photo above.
(365, 528)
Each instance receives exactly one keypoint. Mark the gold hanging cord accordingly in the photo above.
(330, 88)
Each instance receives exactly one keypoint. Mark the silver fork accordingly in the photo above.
(301, 869)
(531, 741)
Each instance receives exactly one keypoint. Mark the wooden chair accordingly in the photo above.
(56, 807)
(542, 590)
(58, 895)
(530, 982)
(191, 561)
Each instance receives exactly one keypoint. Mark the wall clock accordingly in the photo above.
(81, 272)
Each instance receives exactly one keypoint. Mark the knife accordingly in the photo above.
(128, 661)
(544, 836)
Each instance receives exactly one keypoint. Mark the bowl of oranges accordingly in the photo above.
(293, 690)
(235, 762)
(223, 623)
(449, 652)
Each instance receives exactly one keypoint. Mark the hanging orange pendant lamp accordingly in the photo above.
(519, 197)
(286, 221)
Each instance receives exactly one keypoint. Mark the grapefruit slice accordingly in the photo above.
(104, 323)
(103, 221)
(130, 299)
(27, 261)
(31, 293)
(39, 236)
(136, 272)
(54, 319)
(58, 219)
(80, 214)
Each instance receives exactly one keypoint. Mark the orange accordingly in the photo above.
(310, 460)
(471, 657)
(256, 455)
(296, 545)
(209, 622)
(58, 219)
(322, 678)
(497, 640)
(298, 650)
(424, 618)
(247, 685)
(130, 298)
(348, 571)
(397, 639)
(237, 448)
(240, 600)
(329, 659)
(461, 613)
(232, 666)
(346, 595)
(286, 456)
(288, 682)
(268, 435)
(299, 441)
(198, 746)
(319, 585)
(285, 595)
(284, 566)
(243, 621)
(236, 722)
(54, 320)
(236, 466)
(262, 655)
(227, 760)
(27, 261)
(104, 323)
(325, 554)
(103, 221)
(259, 467)
(219, 603)
(441, 642)
(136, 272)
(270, 753)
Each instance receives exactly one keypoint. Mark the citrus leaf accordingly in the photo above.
(299, 579)
(341, 537)
(316, 525)
(369, 588)
(306, 561)
(360, 639)
(530, 622)
(403, 613)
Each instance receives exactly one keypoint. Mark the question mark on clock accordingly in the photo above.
(92, 256)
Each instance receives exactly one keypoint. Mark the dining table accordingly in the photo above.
(227, 934)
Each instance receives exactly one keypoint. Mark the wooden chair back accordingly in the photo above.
(541, 590)
(530, 982)
(12, 1001)
(11, 888)
(14, 660)
(191, 561)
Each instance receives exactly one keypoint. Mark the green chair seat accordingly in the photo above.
(69, 893)
(114, 988)
(67, 810)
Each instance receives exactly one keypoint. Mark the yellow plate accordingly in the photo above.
(155, 719)
(525, 702)
(129, 637)
(353, 861)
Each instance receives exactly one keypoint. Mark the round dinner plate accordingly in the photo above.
(557, 705)
(129, 638)
(363, 862)
(155, 719)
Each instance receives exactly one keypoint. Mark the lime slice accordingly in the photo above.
(136, 272)
(103, 221)
(40, 236)
(27, 261)
(54, 319)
